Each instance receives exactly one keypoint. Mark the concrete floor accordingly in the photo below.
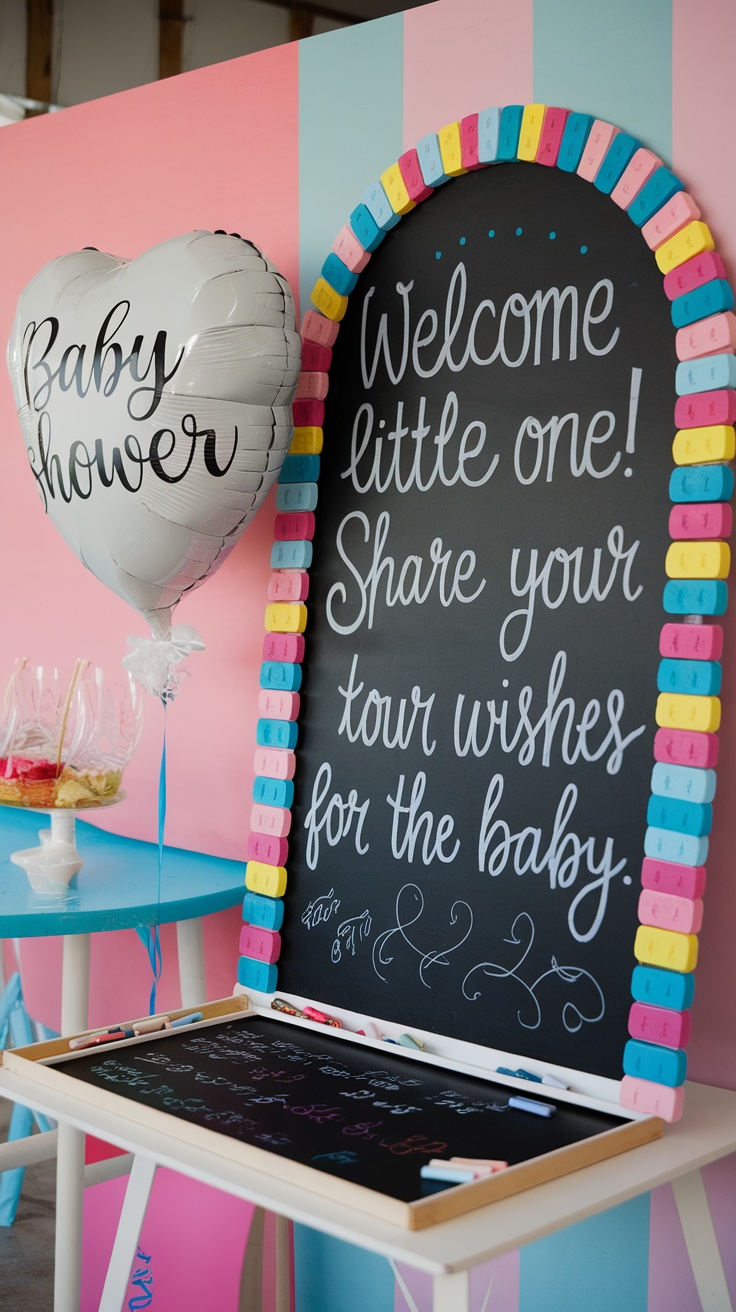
(27, 1247)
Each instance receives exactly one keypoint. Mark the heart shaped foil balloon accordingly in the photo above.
(155, 398)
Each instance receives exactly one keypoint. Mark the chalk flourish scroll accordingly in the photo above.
(409, 910)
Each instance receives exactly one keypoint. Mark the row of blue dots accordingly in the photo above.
(519, 231)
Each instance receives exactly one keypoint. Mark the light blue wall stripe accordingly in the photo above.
(332, 1276)
(351, 85)
(610, 60)
(600, 1264)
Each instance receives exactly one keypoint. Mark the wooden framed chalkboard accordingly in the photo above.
(487, 683)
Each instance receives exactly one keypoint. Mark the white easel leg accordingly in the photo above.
(75, 983)
(451, 1292)
(191, 962)
(69, 1201)
(702, 1245)
(132, 1216)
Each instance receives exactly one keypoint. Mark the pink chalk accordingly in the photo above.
(702, 408)
(275, 704)
(308, 413)
(262, 944)
(294, 526)
(267, 849)
(288, 585)
(469, 142)
(273, 820)
(275, 763)
(348, 249)
(683, 747)
(284, 647)
(712, 520)
(652, 1099)
(312, 384)
(667, 221)
(411, 171)
(671, 877)
(693, 273)
(316, 357)
(710, 336)
(694, 642)
(599, 139)
(684, 915)
(553, 127)
(317, 328)
(659, 1025)
(638, 171)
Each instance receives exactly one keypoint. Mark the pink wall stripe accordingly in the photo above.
(460, 57)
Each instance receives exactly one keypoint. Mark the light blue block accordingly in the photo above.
(662, 988)
(508, 132)
(701, 678)
(273, 792)
(695, 597)
(299, 469)
(254, 974)
(696, 483)
(379, 206)
(649, 1061)
(690, 818)
(574, 137)
(282, 675)
(291, 555)
(710, 298)
(277, 733)
(297, 496)
(710, 374)
(619, 154)
(489, 121)
(430, 161)
(668, 845)
(655, 193)
(687, 782)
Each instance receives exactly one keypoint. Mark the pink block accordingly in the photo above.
(693, 273)
(702, 408)
(313, 385)
(709, 336)
(294, 526)
(284, 647)
(348, 249)
(659, 1025)
(316, 357)
(694, 642)
(652, 1099)
(274, 763)
(553, 127)
(261, 944)
(667, 221)
(711, 520)
(264, 847)
(308, 413)
(411, 171)
(682, 747)
(278, 705)
(469, 142)
(288, 585)
(671, 877)
(317, 328)
(638, 171)
(273, 820)
(599, 139)
(684, 915)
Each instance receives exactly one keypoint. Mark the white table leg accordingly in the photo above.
(251, 1276)
(75, 984)
(69, 1200)
(132, 1216)
(282, 1259)
(191, 962)
(451, 1292)
(701, 1242)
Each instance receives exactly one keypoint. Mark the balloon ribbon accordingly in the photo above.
(151, 937)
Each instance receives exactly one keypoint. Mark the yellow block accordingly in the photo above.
(698, 560)
(700, 446)
(691, 240)
(664, 947)
(306, 442)
(683, 710)
(531, 130)
(451, 149)
(286, 617)
(395, 188)
(269, 880)
(328, 301)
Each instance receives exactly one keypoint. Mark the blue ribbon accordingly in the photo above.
(150, 937)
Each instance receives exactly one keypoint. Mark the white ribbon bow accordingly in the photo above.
(151, 660)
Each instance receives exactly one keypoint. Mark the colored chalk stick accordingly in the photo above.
(599, 140)
(659, 1025)
(713, 442)
(662, 988)
(281, 674)
(283, 647)
(294, 526)
(379, 206)
(673, 216)
(637, 172)
(270, 881)
(307, 412)
(266, 850)
(274, 820)
(508, 131)
(705, 374)
(550, 140)
(668, 911)
(646, 1061)
(699, 677)
(300, 469)
(670, 877)
(316, 358)
(620, 152)
(316, 328)
(683, 781)
(266, 912)
(365, 229)
(285, 617)
(664, 947)
(307, 441)
(690, 241)
(276, 733)
(707, 337)
(573, 141)
(698, 560)
(489, 121)
(276, 704)
(411, 172)
(683, 849)
(273, 792)
(693, 273)
(532, 121)
(710, 298)
(288, 585)
(709, 597)
(652, 1099)
(392, 181)
(692, 818)
(702, 408)
(278, 764)
(469, 141)
(430, 161)
(297, 496)
(312, 384)
(701, 483)
(681, 711)
(655, 193)
(329, 301)
(696, 642)
(257, 975)
(291, 555)
(347, 247)
(682, 747)
(451, 149)
(261, 944)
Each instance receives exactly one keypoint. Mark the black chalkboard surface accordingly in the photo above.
(475, 739)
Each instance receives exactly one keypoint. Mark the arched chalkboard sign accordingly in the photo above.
(478, 713)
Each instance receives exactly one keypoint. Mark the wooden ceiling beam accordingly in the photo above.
(171, 22)
(39, 48)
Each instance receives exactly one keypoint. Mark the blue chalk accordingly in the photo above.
(648, 1061)
(273, 792)
(577, 131)
(257, 975)
(489, 121)
(662, 988)
(282, 675)
(687, 782)
(655, 193)
(692, 818)
(365, 228)
(701, 483)
(338, 274)
(297, 496)
(710, 298)
(695, 597)
(709, 374)
(701, 678)
(668, 845)
(265, 912)
(453, 1175)
(379, 206)
(430, 161)
(291, 555)
(531, 1105)
(277, 733)
(508, 132)
(620, 153)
